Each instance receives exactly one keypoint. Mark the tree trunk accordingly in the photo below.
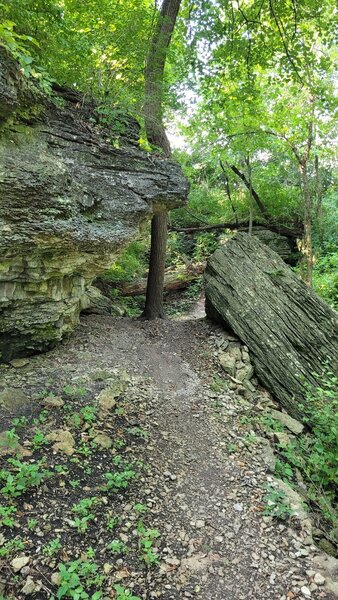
(154, 299)
(156, 135)
(307, 208)
(250, 194)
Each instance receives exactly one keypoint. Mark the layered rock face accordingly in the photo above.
(292, 334)
(69, 201)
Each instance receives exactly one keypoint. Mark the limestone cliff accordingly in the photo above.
(69, 201)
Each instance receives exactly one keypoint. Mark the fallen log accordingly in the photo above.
(290, 332)
(173, 280)
(280, 229)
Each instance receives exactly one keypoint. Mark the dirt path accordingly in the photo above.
(207, 473)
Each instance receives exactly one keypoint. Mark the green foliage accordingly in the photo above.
(123, 594)
(11, 547)
(7, 516)
(22, 477)
(52, 547)
(9, 439)
(76, 578)
(117, 547)
(276, 504)
(131, 263)
(325, 278)
(315, 453)
(147, 544)
(119, 480)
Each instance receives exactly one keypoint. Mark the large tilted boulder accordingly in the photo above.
(290, 332)
(69, 201)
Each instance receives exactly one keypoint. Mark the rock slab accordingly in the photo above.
(69, 202)
(290, 332)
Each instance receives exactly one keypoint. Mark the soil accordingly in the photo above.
(183, 511)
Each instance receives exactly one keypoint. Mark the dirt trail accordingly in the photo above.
(207, 476)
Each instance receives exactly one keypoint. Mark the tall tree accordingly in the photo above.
(155, 131)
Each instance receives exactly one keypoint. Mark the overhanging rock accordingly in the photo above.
(69, 202)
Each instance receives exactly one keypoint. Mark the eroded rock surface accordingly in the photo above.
(69, 201)
(291, 333)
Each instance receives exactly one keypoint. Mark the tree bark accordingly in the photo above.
(154, 298)
(307, 208)
(156, 135)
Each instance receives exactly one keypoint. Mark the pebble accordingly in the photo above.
(19, 562)
(319, 579)
(305, 591)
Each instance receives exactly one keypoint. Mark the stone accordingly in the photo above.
(56, 578)
(305, 591)
(228, 363)
(296, 503)
(95, 302)
(327, 547)
(319, 579)
(268, 457)
(18, 363)
(286, 247)
(292, 424)
(244, 373)
(13, 399)
(69, 203)
(290, 332)
(107, 398)
(64, 441)
(19, 562)
(103, 440)
(29, 587)
(282, 438)
(53, 402)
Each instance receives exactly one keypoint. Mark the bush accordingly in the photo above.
(325, 278)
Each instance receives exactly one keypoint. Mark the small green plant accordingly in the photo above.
(84, 449)
(120, 480)
(111, 523)
(117, 547)
(39, 439)
(12, 546)
(89, 413)
(138, 432)
(140, 508)
(83, 512)
(74, 483)
(52, 547)
(218, 384)
(7, 516)
(83, 507)
(9, 439)
(42, 418)
(123, 594)
(32, 524)
(74, 420)
(276, 504)
(20, 422)
(74, 392)
(232, 448)
(25, 476)
(77, 577)
(147, 546)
